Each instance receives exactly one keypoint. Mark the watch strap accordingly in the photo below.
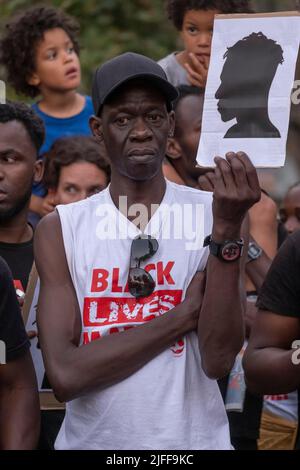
(217, 248)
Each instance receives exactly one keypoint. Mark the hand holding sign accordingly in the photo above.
(236, 188)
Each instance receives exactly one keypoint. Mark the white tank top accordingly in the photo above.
(169, 403)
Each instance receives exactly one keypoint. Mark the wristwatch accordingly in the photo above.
(228, 251)
(254, 251)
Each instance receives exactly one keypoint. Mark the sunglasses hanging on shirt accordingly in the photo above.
(140, 282)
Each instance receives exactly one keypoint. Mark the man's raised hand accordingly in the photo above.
(236, 189)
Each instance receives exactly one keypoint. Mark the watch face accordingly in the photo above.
(231, 252)
(253, 251)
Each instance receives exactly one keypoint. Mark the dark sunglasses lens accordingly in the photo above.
(143, 248)
(140, 283)
(153, 245)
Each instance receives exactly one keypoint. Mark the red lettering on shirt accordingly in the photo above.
(178, 348)
(103, 311)
(88, 337)
(150, 267)
(165, 273)
(276, 397)
(103, 280)
(99, 280)
(116, 311)
(18, 285)
(115, 280)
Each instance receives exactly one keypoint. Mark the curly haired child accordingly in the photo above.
(40, 52)
(194, 19)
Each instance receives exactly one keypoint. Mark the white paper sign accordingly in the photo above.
(248, 92)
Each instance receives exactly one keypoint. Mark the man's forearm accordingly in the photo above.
(113, 358)
(19, 418)
(258, 269)
(221, 326)
(271, 371)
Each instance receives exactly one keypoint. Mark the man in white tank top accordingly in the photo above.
(133, 332)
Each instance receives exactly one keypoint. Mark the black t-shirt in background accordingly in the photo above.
(12, 331)
(246, 425)
(19, 257)
(280, 292)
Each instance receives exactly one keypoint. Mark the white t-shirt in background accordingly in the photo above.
(176, 74)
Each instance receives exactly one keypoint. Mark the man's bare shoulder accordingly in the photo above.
(48, 239)
(49, 251)
(49, 226)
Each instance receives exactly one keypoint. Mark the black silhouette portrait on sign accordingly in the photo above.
(246, 79)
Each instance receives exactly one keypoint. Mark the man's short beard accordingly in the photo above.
(8, 214)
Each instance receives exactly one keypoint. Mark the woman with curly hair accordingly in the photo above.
(194, 19)
(40, 52)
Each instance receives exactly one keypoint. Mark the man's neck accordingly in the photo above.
(190, 182)
(61, 104)
(183, 175)
(16, 230)
(147, 193)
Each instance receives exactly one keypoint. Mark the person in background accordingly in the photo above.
(290, 210)
(21, 137)
(74, 169)
(183, 145)
(194, 19)
(272, 360)
(40, 52)
(279, 422)
(19, 404)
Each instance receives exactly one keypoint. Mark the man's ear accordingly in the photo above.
(38, 171)
(96, 128)
(33, 80)
(173, 148)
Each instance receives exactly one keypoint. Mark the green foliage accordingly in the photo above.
(110, 27)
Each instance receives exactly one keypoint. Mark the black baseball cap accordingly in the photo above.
(124, 68)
